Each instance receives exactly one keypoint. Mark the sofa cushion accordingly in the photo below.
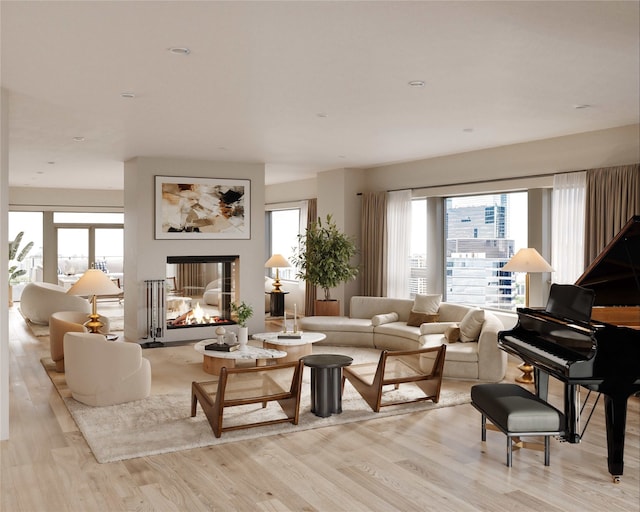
(384, 318)
(416, 319)
(335, 323)
(461, 352)
(426, 303)
(400, 329)
(471, 325)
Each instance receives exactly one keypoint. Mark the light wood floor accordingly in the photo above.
(422, 461)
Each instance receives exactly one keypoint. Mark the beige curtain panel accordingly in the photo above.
(612, 198)
(310, 291)
(373, 250)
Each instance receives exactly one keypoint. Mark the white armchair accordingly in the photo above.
(101, 372)
(63, 322)
(40, 300)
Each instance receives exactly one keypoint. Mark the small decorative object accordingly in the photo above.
(220, 333)
(295, 334)
(243, 312)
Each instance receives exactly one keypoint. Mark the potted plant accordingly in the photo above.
(323, 259)
(242, 312)
(16, 256)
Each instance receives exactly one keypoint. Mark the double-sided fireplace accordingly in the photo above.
(200, 290)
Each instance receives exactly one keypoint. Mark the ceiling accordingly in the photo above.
(304, 87)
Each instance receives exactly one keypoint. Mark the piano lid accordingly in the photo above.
(614, 275)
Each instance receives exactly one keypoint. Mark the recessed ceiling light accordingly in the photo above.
(39, 172)
(467, 130)
(580, 107)
(416, 83)
(322, 114)
(51, 162)
(179, 50)
(78, 139)
(128, 95)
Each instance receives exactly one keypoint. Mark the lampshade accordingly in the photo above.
(94, 282)
(277, 261)
(527, 260)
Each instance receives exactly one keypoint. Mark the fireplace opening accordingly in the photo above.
(200, 290)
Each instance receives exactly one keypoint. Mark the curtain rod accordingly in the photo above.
(513, 178)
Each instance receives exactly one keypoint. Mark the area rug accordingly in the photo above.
(161, 423)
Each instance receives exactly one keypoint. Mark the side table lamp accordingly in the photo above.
(527, 260)
(277, 261)
(94, 282)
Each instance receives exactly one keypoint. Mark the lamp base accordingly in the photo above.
(94, 324)
(276, 286)
(527, 374)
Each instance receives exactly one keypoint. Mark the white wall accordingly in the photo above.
(146, 258)
(4, 263)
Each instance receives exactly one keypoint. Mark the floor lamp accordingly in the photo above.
(94, 282)
(529, 261)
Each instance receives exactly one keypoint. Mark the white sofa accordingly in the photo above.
(481, 359)
(40, 300)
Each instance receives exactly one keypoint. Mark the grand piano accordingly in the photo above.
(588, 336)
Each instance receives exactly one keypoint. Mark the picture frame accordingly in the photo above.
(202, 208)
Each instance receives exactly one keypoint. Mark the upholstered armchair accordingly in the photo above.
(101, 372)
(40, 300)
(63, 322)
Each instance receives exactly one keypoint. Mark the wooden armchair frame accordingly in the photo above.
(394, 368)
(243, 386)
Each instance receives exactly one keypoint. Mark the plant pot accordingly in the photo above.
(243, 336)
(327, 307)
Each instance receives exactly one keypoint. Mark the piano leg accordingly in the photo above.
(571, 413)
(615, 409)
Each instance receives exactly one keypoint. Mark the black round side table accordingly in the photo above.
(326, 382)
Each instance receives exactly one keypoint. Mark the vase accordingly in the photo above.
(243, 336)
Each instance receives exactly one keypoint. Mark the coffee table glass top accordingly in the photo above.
(272, 337)
(248, 352)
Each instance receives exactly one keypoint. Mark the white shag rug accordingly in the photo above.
(161, 423)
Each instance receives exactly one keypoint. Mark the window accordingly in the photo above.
(31, 224)
(482, 233)
(418, 250)
(283, 227)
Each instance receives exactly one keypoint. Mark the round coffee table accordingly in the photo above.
(214, 360)
(294, 347)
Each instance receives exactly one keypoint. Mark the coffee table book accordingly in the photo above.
(290, 336)
(222, 347)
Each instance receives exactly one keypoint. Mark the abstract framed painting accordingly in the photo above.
(202, 208)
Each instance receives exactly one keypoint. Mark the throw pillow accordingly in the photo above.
(436, 327)
(471, 325)
(426, 303)
(452, 334)
(385, 318)
(416, 319)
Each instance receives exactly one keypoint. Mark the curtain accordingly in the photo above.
(372, 251)
(310, 291)
(398, 243)
(612, 198)
(567, 239)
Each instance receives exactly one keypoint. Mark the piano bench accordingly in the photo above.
(517, 413)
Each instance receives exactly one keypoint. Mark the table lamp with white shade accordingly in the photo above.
(277, 261)
(94, 282)
(529, 261)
